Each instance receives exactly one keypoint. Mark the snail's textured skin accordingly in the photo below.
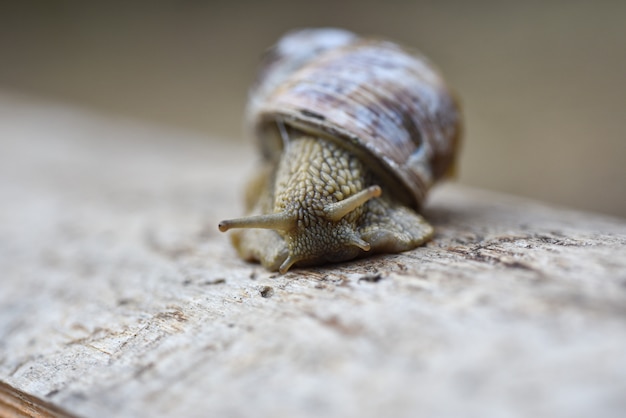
(313, 173)
(353, 133)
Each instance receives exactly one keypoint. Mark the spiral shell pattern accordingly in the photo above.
(388, 104)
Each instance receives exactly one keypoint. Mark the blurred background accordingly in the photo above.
(543, 83)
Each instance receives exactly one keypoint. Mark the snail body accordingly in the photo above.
(353, 132)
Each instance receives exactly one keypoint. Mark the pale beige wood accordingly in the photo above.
(119, 297)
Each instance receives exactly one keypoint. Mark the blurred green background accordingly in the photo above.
(543, 83)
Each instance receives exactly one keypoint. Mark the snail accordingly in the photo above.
(353, 132)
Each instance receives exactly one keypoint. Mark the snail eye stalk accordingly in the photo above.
(279, 221)
(336, 211)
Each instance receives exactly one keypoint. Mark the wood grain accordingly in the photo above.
(17, 404)
(120, 297)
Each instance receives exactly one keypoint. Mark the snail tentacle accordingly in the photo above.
(337, 210)
(281, 221)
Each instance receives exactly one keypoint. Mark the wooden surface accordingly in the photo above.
(119, 297)
(17, 404)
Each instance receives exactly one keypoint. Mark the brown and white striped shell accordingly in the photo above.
(384, 102)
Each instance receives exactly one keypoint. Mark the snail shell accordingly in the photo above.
(371, 101)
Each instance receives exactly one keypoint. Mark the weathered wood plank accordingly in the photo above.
(120, 298)
(17, 404)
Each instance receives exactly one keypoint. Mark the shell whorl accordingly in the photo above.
(386, 103)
